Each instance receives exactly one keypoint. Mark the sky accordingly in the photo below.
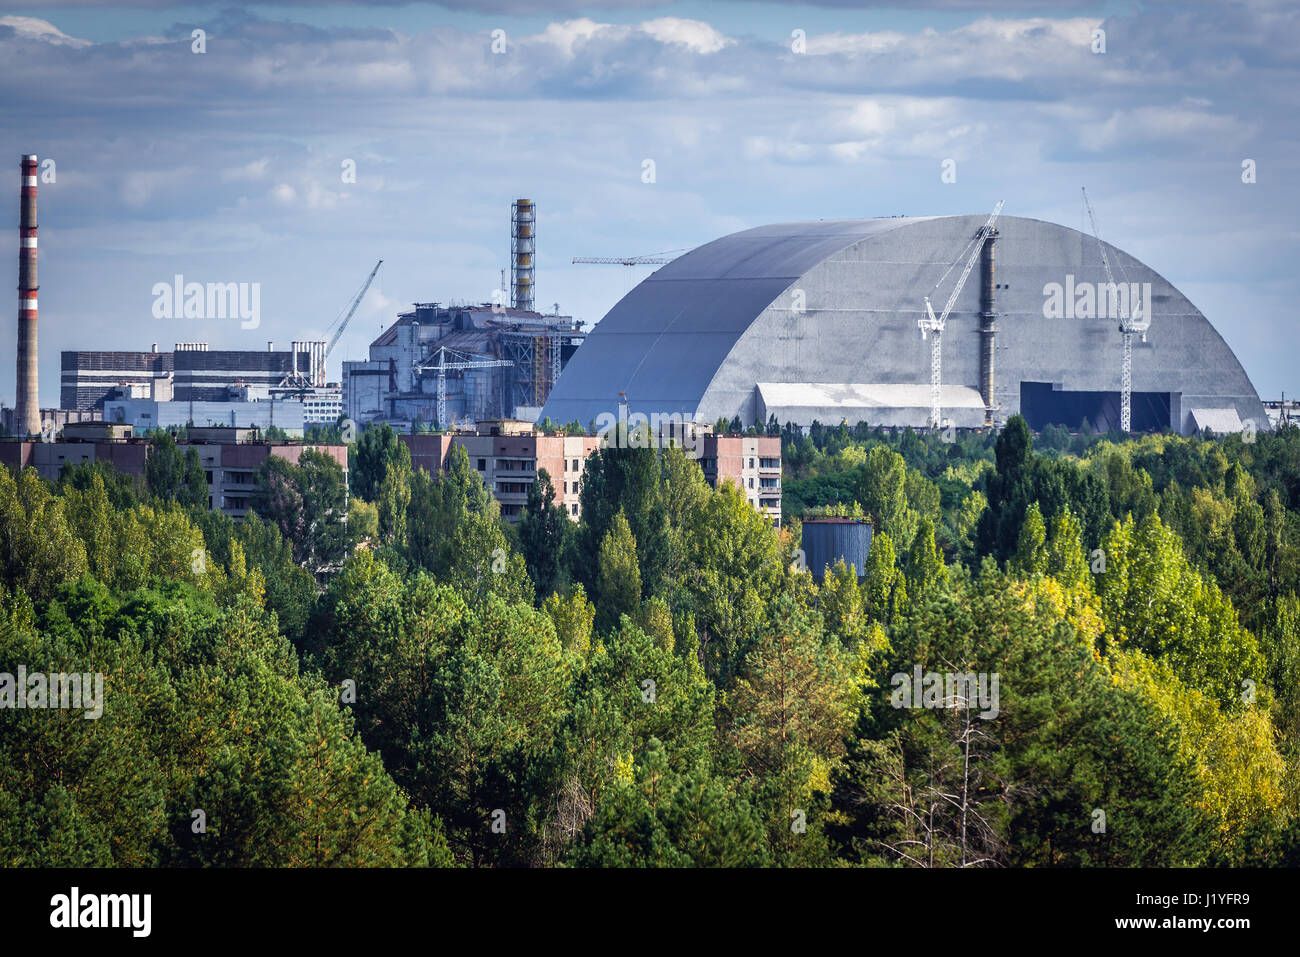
(229, 165)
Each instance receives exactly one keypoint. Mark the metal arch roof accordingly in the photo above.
(663, 342)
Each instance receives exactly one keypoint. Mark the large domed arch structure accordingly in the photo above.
(818, 321)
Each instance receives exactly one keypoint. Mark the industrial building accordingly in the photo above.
(818, 321)
(462, 362)
(479, 362)
(192, 373)
(287, 415)
(195, 385)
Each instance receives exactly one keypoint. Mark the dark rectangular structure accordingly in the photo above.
(88, 378)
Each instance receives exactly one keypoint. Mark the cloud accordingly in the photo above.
(228, 162)
(30, 28)
(695, 35)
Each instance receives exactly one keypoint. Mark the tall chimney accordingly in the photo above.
(523, 217)
(27, 408)
(988, 305)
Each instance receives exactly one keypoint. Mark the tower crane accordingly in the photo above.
(1129, 324)
(356, 301)
(443, 360)
(932, 324)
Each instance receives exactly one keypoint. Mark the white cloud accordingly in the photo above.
(695, 35)
(30, 28)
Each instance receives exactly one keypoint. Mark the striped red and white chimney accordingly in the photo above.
(27, 408)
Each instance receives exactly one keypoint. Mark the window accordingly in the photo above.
(482, 465)
(769, 463)
(577, 466)
(751, 483)
(751, 463)
(768, 482)
(575, 509)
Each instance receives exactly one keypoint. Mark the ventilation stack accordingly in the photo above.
(27, 408)
(988, 304)
(523, 217)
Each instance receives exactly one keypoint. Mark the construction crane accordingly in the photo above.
(356, 301)
(1128, 325)
(654, 259)
(443, 360)
(932, 324)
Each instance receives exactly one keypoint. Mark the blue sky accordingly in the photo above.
(225, 166)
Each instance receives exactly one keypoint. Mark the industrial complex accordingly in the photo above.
(799, 323)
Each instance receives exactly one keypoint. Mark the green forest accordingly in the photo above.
(374, 669)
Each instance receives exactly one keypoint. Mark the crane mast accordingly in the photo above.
(934, 324)
(443, 360)
(1128, 326)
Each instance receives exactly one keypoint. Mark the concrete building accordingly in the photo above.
(752, 462)
(818, 321)
(192, 372)
(499, 362)
(508, 456)
(230, 457)
(322, 406)
(144, 414)
(90, 377)
(508, 459)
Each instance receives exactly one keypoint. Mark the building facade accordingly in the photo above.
(191, 373)
(509, 458)
(495, 362)
(230, 457)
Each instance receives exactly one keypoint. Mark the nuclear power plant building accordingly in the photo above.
(817, 321)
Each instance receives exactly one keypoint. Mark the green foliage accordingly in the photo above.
(203, 708)
(666, 818)
(307, 503)
(175, 476)
(376, 450)
(1153, 600)
(618, 577)
(943, 786)
(545, 536)
(386, 691)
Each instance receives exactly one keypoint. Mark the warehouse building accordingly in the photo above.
(817, 321)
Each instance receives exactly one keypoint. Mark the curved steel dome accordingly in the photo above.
(817, 321)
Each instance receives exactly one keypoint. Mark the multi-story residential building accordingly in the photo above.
(230, 457)
(508, 455)
(753, 462)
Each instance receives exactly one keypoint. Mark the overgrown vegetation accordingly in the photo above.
(400, 678)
